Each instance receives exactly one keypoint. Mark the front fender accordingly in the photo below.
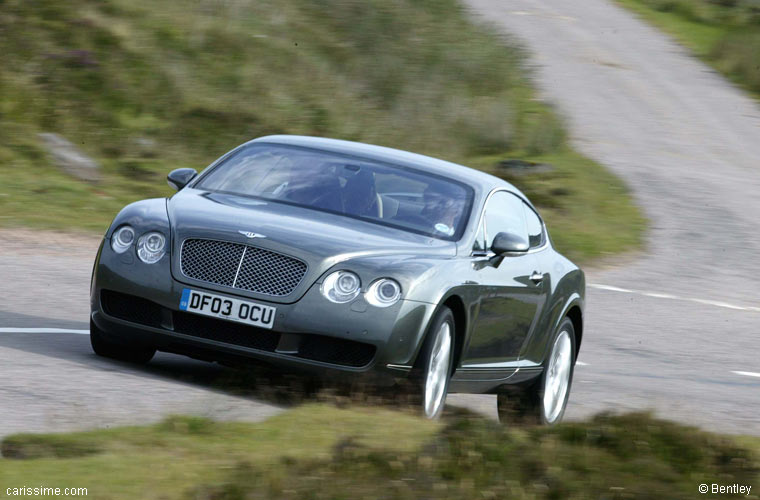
(429, 282)
(143, 216)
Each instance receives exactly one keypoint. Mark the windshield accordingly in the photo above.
(377, 192)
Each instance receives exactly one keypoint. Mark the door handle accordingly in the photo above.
(536, 277)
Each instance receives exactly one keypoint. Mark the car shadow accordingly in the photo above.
(254, 381)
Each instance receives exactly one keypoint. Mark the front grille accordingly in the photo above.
(225, 331)
(322, 348)
(212, 261)
(130, 308)
(269, 273)
(313, 347)
(336, 351)
(241, 266)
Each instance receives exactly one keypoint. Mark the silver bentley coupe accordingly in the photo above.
(338, 257)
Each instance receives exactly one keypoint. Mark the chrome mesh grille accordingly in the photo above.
(268, 272)
(211, 260)
(261, 271)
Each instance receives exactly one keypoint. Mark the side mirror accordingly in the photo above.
(180, 177)
(509, 243)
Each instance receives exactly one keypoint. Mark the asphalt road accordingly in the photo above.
(51, 381)
(688, 144)
(674, 330)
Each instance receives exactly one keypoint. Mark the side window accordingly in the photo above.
(535, 227)
(504, 212)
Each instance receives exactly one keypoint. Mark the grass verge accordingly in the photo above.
(376, 453)
(145, 87)
(724, 33)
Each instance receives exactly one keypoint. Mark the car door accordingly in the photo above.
(510, 300)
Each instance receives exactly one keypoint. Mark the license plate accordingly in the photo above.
(219, 306)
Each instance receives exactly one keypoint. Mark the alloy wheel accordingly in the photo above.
(438, 371)
(557, 380)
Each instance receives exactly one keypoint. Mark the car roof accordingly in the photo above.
(468, 175)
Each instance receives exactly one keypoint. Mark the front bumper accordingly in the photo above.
(136, 302)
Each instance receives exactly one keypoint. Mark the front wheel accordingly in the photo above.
(433, 368)
(106, 348)
(545, 400)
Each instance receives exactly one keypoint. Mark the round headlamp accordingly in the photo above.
(341, 286)
(151, 247)
(122, 239)
(383, 293)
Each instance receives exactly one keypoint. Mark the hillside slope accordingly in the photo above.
(724, 33)
(144, 87)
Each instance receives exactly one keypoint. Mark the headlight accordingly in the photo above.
(122, 239)
(341, 286)
(151, 247)
(383, 293)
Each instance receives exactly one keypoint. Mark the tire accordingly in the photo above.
(432, 371)
(108, 349)
(544, 400)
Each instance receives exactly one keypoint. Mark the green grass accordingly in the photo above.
(724, 33)
(167, 459)
(586, 208)
(378, 453)
(197, 77)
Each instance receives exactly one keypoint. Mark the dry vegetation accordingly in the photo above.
(144, 87)
(319, 451)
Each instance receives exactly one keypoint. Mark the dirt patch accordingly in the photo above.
(46, 273)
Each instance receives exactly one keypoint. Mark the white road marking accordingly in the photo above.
(747, 374)
(581, 363)
(610, 288)
(660, 295)
(668, 296)
(43, 330)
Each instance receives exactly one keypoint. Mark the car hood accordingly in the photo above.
(320, 239)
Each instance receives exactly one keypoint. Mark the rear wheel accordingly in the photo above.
(109, 349)
(544, 401)
(432, 371)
